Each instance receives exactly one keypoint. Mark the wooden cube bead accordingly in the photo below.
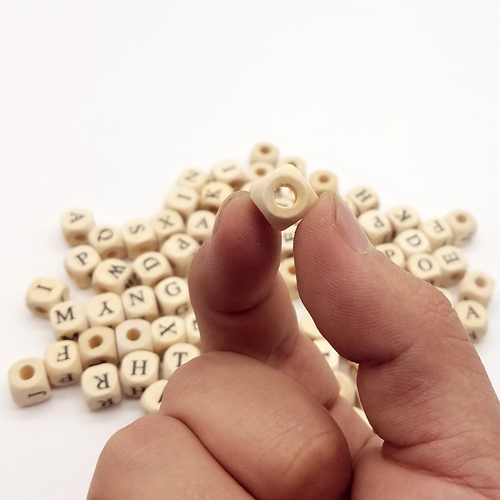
(172, 295)
(463, 226)
(438, 231)
(200, 225)
(346, 386)
(287, 237)
(184, 200)
(295, 161)
(194, 178)
(28, 382)
(140, 302)
(329, 353)
(412, 241)
(97, 345)
(152, 397)
(258, 170)
(393, 252)
(108, 242)
(68, 319)
(263, 195)
(105, 309)
(178, 355)
(476, 286)
(192, 330)
(139, 237)
(44, 293)
(113, 275)
(308, 326)
(287, 270)
(101, 386)
(213, 194)
(363, 198)
(133, 335)
(166, 331)
(353, 369)
(167, 223)
(138, 370)
(80, 263)
(447, 294)
(63, 364)
(424, 266)
(230, 172)
(376, 226)
(474, 318)
(403, 217)
(76, 225)
(453, 264)
(264, 152)
(151, 267)
(180, 249)
(323, 180)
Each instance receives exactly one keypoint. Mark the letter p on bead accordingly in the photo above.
(263, 194)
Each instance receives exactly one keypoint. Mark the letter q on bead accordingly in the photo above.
(263, 195)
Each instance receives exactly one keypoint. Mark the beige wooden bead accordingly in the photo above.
(248, 186)
(453, 264)
(264, 152)
(463, 226)
(287, 270)
(105, 309)
(192, 330)
(62, 363)
(167, 223)
(138, 370)
(108, 242)
(213, 194)
(44, 293)
(80, 263)
(323, 180)
(364, 198)
(184, 200)
(180, 250)
(263, 195)
(258, 170)
(230, 172)
(76, 225)
(412, 241)
(178, 355)
(28, 382)
(352, 206)
(307, 326)
(194, 178)
(403, 217)
(447, 294)
(376, 226)
(424, 266)
(200, 225)
(166, 331)
(97, 345)
(346, 386)
(353, 368)
(68, 319)
(153, 396)
(113, 275)
(438, 231)
(101, 386)
(329, 353)
(133, 335)
(393, 252)
(295, 161)
(151, 267)
(172, 295)
(140, 302)
(139, 237)
(287, 237)
(476, 286)
(474, 318)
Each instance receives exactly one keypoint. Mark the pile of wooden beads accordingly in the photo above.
(140, 326)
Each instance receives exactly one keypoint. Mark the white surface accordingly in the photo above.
(102, 104)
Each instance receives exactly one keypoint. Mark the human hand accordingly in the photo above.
(260, 416)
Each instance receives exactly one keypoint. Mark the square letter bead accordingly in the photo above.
(108, 242)
(173, 296)
(138, 370)
(263, 194)
(287, 237)
(393, 252)
(166, 331)
(133, 335)
(180, 249)
(376, 226)
(230, 172)
(184, 200)
(257, 171)
(44, 293)
(76, 225)
(412, 241)
(166, 223)
(363, 198)
(80, 264)
(105, 309)
(194, 178)
(323, 180)
(426, 267)
(140, 302)
(151, 267)
(62, 363)
(474, 318)
(28, 382)
(438, 231)
(68, 319)
(403, 217)
(176, 356)
(213, 194)
(153, 396)
(139, 237)
(463, 226)
(101, 386)
(287, 270)
(453, 264)
(264, 152)
(113, 275)
(200, 225)
(476, 286)
(97, 345)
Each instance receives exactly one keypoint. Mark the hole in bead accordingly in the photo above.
(261, 171)
(80, 237)
(285, 196)
(480, 282)
(26, 372)
(324, 178)
(112, 254)
(40, 310)
(461, 218)
(95, 341)
(133, 334)
(265, 149)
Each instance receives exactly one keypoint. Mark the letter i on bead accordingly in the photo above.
(28, 382)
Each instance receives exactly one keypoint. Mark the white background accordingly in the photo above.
(102, 104)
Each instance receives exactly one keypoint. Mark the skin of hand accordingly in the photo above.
(259, 415)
